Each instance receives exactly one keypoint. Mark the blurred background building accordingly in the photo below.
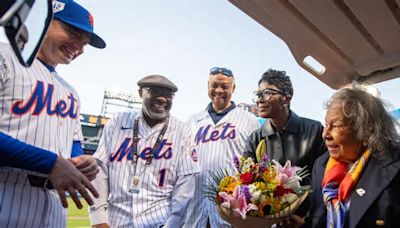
(114, 101)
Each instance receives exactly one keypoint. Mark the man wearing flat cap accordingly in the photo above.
(147, 165)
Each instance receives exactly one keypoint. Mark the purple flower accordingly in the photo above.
(264, 162)
(236, 162)
(263, 166)
(246, 192)
(265, 157)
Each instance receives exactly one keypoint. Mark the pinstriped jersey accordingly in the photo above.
(37, 106)
(216, 145)
(152, 205)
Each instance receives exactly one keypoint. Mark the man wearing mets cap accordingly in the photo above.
(40, 111)
(147, 165)
(69, 32)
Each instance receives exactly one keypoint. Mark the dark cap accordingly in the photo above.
(157, 80)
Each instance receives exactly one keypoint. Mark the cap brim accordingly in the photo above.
(174, 89)
(97, 41)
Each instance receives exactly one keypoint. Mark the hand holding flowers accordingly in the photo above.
(265, 189)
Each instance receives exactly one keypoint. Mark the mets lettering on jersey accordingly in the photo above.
(39, 100)
(216, 144)
(205, 135)
(39, 108)
(125, 151)
(173, 158)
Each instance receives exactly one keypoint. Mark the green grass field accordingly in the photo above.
(77, 217)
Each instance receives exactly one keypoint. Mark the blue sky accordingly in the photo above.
(183, 39)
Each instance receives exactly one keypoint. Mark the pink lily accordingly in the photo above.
(237, 201)
(287, 173)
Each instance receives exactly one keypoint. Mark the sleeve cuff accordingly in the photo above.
(97, 215)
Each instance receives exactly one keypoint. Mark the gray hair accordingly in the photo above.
(367, 115)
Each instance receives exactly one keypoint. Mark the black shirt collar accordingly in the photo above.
(292, 125)
(211, 109)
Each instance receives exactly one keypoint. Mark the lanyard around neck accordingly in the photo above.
(135, 154)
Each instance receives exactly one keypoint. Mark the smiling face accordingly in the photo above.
(62, 44)
(340, 138)
(157, 102)
(275, 106)
(220, 90)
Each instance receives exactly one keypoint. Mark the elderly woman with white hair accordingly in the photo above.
(357, 182)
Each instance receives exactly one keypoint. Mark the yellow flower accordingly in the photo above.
(269, 175)
(276, 206)
(264, 207)
(261, 186)
(269, 206)
(226, 183)
(231, 187)
(272, 185)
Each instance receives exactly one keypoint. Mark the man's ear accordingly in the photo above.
(287, 98)
(140, 92)
(234, 87)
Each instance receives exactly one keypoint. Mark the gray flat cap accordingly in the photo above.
(157, 80)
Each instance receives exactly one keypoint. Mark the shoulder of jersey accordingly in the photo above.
(6, 52)
(178, 124)
(67, 85)
(125, 117)
(245, 113)
(198, 116)
(5, 47)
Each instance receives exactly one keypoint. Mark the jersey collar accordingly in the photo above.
(50, 68)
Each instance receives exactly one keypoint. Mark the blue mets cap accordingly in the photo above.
(74, 14)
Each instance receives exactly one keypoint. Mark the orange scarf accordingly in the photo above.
(337, 185)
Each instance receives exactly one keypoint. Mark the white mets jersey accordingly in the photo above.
(39, 108)
(216, 145)
(151, 207)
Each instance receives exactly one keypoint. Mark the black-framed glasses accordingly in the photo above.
(160, 92)
(221, 70)
(266, 94)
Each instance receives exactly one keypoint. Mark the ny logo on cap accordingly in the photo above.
(58, 6)
(91, 21)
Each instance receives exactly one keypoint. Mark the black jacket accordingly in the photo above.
(300, 141)
(375, 200)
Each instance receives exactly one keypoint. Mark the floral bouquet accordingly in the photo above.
(261, 193)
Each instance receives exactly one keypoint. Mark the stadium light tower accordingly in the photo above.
(115, 100)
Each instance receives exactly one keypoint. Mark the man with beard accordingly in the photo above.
(220, 134)
(147, 167)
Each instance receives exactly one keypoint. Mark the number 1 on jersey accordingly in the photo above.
(161, 178)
